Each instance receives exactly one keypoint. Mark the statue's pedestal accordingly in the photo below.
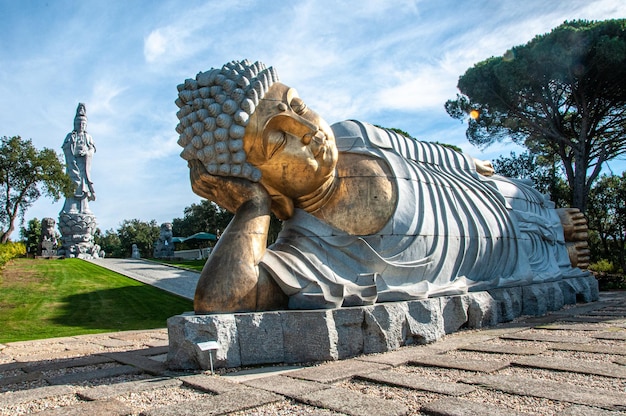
(296, 336)
(77, 231)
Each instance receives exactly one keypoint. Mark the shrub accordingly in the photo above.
(10, 251)
(602, 266)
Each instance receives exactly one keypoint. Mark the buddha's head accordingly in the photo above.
(240, 121)
(80, 120)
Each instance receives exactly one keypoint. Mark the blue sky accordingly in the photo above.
(391, 63)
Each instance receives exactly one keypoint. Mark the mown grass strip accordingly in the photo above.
(55, 298)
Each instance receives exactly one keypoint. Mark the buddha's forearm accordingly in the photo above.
(229, 280)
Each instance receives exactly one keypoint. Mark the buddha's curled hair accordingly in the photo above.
(214, 111)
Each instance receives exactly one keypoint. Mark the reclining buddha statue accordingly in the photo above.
(369, 215)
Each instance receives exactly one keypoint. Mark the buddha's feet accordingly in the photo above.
(576, 233)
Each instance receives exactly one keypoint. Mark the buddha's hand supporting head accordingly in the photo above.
(226, 191)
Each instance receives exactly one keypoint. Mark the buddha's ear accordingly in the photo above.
(282, 206)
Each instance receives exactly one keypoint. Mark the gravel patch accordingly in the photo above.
(39, 405)
(284, 408)
(141, 401)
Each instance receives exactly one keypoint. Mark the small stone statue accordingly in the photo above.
(48, 239)
(135, 253)
(164, 247)
(369, 215)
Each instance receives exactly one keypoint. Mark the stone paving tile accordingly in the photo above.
(592, 319)
(444, 361)
(573, 366)
(606, 312)
(152, 350)
(101, 407)
(593, 348)
(337, 371)
(417, 382)
(579, 410)
(144, 363)
(20, 378)
(453, 406)
(286, 386)
(119, 389)
(23, 396)
(68, 363)
(552, 390)
(505, 349)
(570, 327)
(539, 337)
(243, 376)
(353, 403)
(231, 401)
(15, 365)
(72, 378)
(396, 358)
(612, 335)
(620, 361)
(211, 384)
(112, 343)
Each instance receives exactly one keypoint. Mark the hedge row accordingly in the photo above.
(10, 251)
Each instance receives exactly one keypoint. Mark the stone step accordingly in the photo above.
(467, 364)
(592, 348)
(504, 349)
(353, 403)
(573, 366)
(110, 407)
(611, 335)
(24, 396)
(68, 363)
(540, 337)
(453, 406)
(72, 378)
(210, 384)
(417, 382)
(337, 371)
(144, 363)
(112, 390)
(287, 386)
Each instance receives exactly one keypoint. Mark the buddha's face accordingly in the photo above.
(293, 147)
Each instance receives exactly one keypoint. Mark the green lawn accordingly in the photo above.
(55, 298)
(196, 265)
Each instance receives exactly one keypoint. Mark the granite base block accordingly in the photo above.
(296, 336)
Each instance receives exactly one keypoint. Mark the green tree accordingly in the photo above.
(544, 174)
(205, 217)
(607, 218)
(109, 242)
(142, 233)
(562, 93)
(23, 171)
(30, 235)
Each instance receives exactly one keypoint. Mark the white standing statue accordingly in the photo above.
(76, 221)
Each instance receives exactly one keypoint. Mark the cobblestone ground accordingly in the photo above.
(571, 362)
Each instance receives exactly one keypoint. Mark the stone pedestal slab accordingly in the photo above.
(298, 336)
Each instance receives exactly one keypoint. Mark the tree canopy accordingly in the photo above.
(142, 233)
(562, 93)
(23, 171)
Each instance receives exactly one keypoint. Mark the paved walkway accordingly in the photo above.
(169, 278)
(571, 362)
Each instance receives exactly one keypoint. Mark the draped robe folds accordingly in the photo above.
(452, 231)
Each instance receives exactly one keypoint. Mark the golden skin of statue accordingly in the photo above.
(294, 148)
